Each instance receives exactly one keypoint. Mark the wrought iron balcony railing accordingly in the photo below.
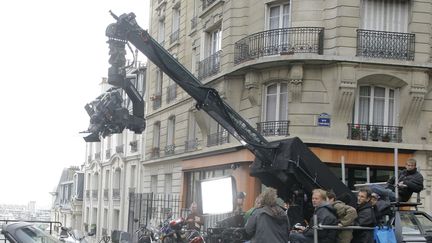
(191, 145)
(206, 3)
(170, 149)
(116, 194)
(273, 128)
(155, 152)
(171, 93)
(218, 138)
(105, 194)
(279, 41)
(383, 44)
(209, 66)
(134, 146)
(174, 36)
(368, 132)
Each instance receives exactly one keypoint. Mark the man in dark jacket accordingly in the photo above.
(326, 215)
(382, 208)
(365, 217)
(410, 181)
(268, 223)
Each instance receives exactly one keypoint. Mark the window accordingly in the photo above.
(159, 81)
(276, 102)
(215, 43)
(156, 135)
(425, 222)
(409, 225)
(175, 25)
(278, 16)
(161, 31)
(389, 15)
(171, 130)
(168, 184)
(376, 105)
(192, 127)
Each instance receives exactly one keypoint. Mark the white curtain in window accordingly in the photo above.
(279, 16)
(176, 20)
(364, 101)
(271, 99)
(283, 102)
(385, 15)
(378, 108)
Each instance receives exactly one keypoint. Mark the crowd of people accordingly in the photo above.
(269, 221)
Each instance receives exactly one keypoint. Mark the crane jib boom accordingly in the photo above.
(283, 165)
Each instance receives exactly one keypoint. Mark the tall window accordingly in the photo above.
(388, 15)
(159, 81)
(161, 31)
(215, 43)
(168, 184)
(376, 105)
(191, 127)
(171, 131)
(156, 134)
(153, 183)
(175, 24)
(278, 16)
(276, 102)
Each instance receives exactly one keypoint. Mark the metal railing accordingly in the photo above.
(368, 132)
(279, 41)
(169, 149)
(174, 36)
(171, 93)
(209, 66)
(116, 194)
(218, 138)
(191, 145)
(384, 44)
(273, 128)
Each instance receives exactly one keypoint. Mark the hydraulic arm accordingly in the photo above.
(288, 165)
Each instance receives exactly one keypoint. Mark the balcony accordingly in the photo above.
(116, 194)
(134, 146)
(383, 44)
(273, 128)
(94, 194)
(171, 93)
(155, 152)
(191, 145)
(174, 36)
(119, 149)
(367, 132)
(157, 100)
(284, 41)
(105, 194)
(218, 138)
(170, 149)
(209, 66)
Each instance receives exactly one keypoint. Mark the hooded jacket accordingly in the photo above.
(414, 181)
(326, 215)
(268, 224)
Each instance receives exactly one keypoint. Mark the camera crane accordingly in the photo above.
(286, 165)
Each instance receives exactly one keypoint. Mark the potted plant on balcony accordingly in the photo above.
(355, 132)
(386, 137)
(374, 134)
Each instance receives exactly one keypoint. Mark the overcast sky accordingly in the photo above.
(53, 57)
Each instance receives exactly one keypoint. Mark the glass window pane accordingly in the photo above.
(409, 226)
(364, 103)
(286, 16)
(425, 222)
(274, 17)
(283, 107)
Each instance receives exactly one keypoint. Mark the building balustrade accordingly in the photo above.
(273, 128)
(284, 41)
(209, 66)
(218, 138)
(170, 149)
(384, 44)
(368, 132)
